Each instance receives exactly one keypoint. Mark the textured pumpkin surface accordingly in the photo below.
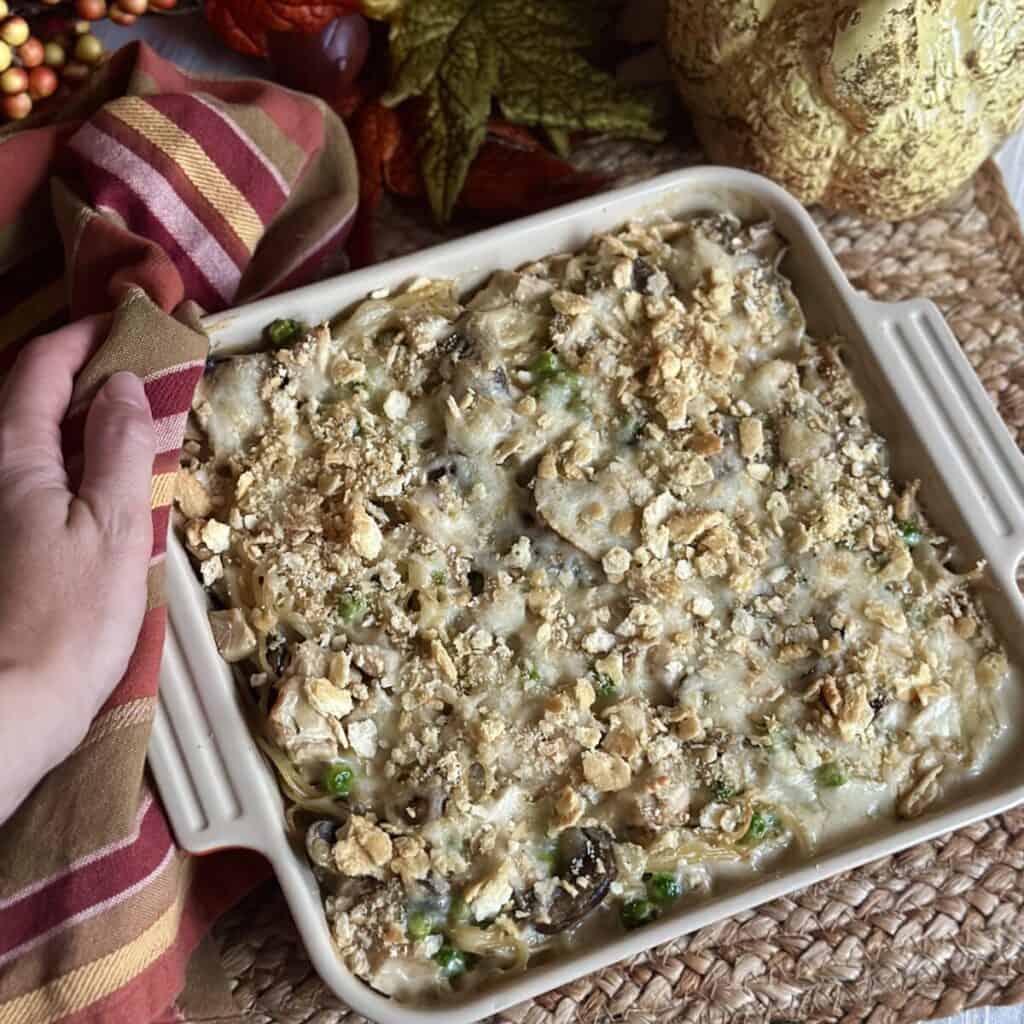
(880, 106)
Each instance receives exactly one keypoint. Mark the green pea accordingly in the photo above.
(420, 924)
(453, 961)
(351, 608)
(663, 888)
(284, 331)
(439, 577)
(556, 391)
(830, 775)
(910, 531)
(547, 853)
(458, 911)
(721, 790)
(604, 686)
(761, 824)
(636, 912)
(339, 778)
(547, 364)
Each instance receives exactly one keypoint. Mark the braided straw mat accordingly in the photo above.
(927, 933)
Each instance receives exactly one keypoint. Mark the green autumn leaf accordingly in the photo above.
(459, 55)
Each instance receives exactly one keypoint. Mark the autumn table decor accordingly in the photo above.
(881, 107)
(460, 104)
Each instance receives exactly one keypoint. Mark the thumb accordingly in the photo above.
(119, 449)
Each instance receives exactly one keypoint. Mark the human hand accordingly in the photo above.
(74, 560)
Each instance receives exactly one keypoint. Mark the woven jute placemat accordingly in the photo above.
(927, 933)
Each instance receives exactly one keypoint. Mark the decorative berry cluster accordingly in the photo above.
(47, 48)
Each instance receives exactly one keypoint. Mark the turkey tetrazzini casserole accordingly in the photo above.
(551, 604)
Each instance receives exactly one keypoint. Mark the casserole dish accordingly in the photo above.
(923, 396)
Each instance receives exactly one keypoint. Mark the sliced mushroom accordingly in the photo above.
(588, 870)
(278, 653)
(452, 464)
(319, 843)
(234, 638)
(417, 807)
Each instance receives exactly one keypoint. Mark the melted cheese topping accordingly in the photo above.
(609, 555)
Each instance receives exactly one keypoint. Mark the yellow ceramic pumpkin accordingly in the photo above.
(880, 106)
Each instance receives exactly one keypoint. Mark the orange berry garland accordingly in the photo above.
(31, 52)
(14, 31)
(91, 10)
(42, 82)
(48, 48)
(16, 107)
(88, 49)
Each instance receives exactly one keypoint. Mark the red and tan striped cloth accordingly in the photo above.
(154, 192)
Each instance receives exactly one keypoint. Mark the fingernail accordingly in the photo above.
(126, 387)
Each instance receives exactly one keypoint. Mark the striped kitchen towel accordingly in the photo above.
(153, 194)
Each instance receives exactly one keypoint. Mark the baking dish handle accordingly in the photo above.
(213, 787)
(957, 422)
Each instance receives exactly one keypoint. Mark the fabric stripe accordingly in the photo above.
(170, 399)
(189, 195)
(183, 150)
(124, 716)
(161, 489)
(91, 982)
(107, 262)
(156, 596)
(92, 907)
(115, 196)
(169, 431)
(168, 461)
(93, 938)
(172, 392)
(230, 148)
(157, 375)
(161, 520)
(287, 155)
(154, 192)
(81, 862)
(257, 156)
(99, 881)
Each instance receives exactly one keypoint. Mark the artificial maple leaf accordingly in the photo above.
(460, 55)
(376, 134)
(512, 173)
(300, 15)
(244, 24)
(232, 22)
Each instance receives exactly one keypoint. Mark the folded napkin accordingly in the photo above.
(151, 193)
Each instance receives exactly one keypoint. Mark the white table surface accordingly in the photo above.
(184, 40)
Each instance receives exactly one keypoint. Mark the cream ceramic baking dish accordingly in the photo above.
(923, 396)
